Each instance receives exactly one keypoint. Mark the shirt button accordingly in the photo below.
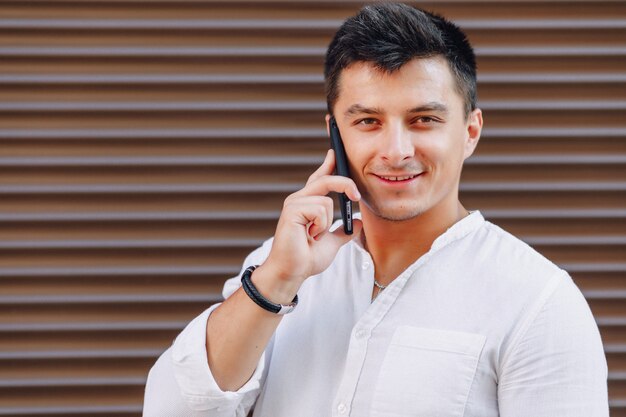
(365, 265)
(342, 408)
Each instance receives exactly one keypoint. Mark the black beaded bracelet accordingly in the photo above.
(261, 301)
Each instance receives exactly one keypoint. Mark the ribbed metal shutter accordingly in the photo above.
(146, 148)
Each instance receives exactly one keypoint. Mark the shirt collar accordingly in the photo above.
(473, 221)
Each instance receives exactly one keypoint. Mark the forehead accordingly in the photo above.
(420, 80)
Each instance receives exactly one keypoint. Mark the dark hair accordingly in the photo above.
(391, 34)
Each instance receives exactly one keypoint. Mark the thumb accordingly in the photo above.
(340, 238)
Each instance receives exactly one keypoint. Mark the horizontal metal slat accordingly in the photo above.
(41, 300)
(287, 187)
(124, 161)
(617, 403)
(107, 299)
(544, 186)
(289, 24)
(561, 159)
(281, 133)
(128, 244)
(283, 106)
(299, 79)
(556, 132)
(284, 51)
(240, 242)
(606, 321)
(53, 272)
(226, 270)
(91, 326)
(550, 78)
(150, 216)
(145, 216)
(617, 376)
(285, 160)
(575, 240)
(70, 410)
(159, 79)
(534, 24)
(162, 325)
(79, 354)
(552, 213)
(70, 382)
(152, 188)
(177, 298)
(615, 348)
(612, 294)
(584, 267)
(145, 106)
(199, 24)
(550, 51)
(169, 52)
(151, 134)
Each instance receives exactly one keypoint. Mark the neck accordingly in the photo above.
(394, 245)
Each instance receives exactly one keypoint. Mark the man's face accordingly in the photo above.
(406, 136)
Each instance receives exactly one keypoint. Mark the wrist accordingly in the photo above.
(276, 288)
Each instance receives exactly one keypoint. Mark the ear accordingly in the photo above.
(474, 128)
(327, 124)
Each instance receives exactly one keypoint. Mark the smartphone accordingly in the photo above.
(341, 168)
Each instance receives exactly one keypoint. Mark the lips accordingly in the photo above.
(399, 181)
(397, 178)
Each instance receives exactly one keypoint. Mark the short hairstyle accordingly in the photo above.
(391, 34)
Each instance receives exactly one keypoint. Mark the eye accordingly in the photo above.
(368, 121)
(425, 120)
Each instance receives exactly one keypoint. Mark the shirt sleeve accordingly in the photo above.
(556, 367)
(180, 383)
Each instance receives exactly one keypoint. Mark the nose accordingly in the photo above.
(398, 146)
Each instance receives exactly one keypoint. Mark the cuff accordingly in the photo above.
(191, 369)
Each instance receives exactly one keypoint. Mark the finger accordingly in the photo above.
(327, 167)
(327, 183)
(324, 201)
(328, 204)
(314, 216)
(318, 221)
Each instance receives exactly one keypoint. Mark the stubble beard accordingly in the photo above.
(393, 214)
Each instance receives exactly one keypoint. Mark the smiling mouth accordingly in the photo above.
(398, 179)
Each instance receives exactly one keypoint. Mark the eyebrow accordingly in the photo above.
(357, 108)
(432, 106)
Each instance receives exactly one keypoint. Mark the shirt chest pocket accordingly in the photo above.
(426, 373)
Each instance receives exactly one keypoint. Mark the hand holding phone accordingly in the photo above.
(341, 168)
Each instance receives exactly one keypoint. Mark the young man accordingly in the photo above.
(427, 309)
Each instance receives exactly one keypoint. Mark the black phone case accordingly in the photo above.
(341, 168)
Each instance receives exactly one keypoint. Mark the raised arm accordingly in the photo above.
(236, 333)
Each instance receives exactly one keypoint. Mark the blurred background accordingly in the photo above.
(146, 148)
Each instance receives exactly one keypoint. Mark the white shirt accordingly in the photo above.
(480, 326)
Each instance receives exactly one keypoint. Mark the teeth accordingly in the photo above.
(399, 178)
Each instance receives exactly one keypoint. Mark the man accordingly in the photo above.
(427, 309)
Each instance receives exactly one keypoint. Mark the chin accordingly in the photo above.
(399, 211)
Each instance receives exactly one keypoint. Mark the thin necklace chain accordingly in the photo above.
(380, 288)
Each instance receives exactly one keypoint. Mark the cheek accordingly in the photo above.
(357, 158)
(444, 155)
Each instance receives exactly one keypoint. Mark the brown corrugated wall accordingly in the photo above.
(146, 148)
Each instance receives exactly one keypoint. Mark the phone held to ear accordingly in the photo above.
(341, 168)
